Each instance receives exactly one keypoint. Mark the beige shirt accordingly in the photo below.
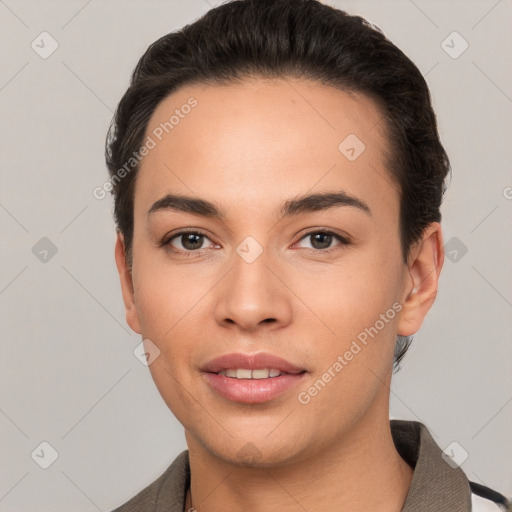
(436, 486)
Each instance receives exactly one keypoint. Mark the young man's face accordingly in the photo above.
(263, 278)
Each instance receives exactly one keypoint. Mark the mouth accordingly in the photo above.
(252, 378)
(242, 364)
(246, 373)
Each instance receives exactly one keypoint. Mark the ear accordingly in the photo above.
(424, 267)
(125, 276)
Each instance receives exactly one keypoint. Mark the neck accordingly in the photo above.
(361, 472)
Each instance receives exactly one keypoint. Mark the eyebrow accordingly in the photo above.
(296, 206)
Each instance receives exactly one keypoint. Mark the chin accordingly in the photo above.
(259, 452)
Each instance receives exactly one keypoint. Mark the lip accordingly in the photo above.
(251, 362)
(252, 391)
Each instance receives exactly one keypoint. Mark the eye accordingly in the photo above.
(187, 241)
(322, 240)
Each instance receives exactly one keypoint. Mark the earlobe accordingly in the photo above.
(125, 276)
(424, 268)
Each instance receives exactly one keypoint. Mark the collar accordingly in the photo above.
(435, 485)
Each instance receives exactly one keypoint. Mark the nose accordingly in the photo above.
(252, 296)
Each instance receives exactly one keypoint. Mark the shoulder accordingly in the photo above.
(484, 499)
(166, 493)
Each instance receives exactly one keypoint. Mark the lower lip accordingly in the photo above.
(252, 391)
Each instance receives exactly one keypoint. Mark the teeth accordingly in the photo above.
(260, 374)
(242, 373)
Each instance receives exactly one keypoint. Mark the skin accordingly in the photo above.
(248, 148)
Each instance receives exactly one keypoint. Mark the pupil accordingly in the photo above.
(192, 241)
(321, 240)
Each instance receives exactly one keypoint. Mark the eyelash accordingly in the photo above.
(166, 242)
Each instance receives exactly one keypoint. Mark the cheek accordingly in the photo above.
(356, 313)
(165, 295)
(171, 304)
(349, 296)
(354, 326)
(168, 305)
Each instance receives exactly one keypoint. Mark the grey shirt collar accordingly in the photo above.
(436, 486)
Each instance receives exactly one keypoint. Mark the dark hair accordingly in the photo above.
(290, 38)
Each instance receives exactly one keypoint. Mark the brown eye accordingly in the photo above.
(192, 241)
(189, 241)
(322, 240)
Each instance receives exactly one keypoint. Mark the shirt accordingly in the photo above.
(437, 485)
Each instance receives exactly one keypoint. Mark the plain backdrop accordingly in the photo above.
(68, 373)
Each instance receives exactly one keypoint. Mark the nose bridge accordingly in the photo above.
(251, 294)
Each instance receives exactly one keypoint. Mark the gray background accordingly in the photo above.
(67, 369)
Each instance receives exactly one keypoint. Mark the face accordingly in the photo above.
(260, 243)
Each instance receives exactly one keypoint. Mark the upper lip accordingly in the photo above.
(250, 362)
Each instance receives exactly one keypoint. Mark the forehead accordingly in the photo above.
(253, 144)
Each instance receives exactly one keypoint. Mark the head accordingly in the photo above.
(306, 130)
